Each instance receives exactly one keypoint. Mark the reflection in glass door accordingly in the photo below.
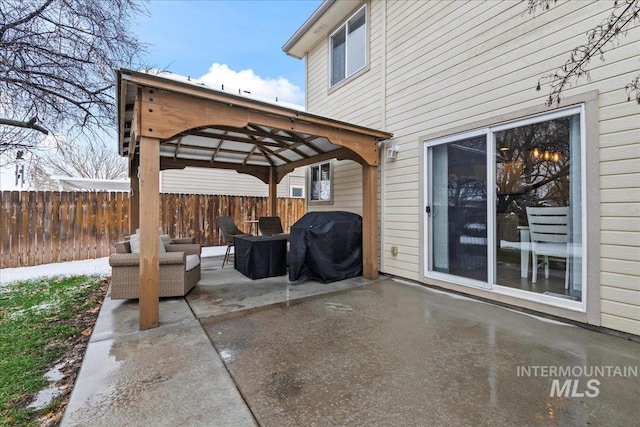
(538, 207)
(459, 208)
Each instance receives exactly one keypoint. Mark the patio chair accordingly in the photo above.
(179, 269)
(549, 231)
(229, 231)
(271, 226)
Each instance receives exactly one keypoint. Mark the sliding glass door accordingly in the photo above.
(458, 208)
(504, 206)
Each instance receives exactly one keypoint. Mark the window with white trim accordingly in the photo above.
(348, 47)
(296, 191)
(320, 183)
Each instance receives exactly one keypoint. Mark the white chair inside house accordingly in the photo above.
(549, 233)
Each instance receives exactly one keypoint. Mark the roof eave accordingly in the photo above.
(290, 46)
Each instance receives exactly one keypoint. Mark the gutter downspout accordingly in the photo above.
(383, 125)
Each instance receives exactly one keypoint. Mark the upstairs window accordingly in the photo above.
(320, 183)
(348, 47)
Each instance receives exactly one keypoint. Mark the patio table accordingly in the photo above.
(260, 256)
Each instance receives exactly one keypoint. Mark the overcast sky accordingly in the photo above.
(235, 43)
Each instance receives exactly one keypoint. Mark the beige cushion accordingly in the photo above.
(134, 241)
(192, 262)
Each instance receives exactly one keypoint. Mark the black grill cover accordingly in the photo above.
(326, 246)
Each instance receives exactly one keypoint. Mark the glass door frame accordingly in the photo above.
(489, 132)
(428, 197)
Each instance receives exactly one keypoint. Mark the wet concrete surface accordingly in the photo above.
(226, 291)
(393, 354)
(169, 376)
(355, 353)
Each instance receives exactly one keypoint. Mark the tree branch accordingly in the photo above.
(599, 40)
(30, 124)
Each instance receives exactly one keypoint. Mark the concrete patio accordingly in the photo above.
(237, 352)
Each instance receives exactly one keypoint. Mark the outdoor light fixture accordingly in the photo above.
(392, 151)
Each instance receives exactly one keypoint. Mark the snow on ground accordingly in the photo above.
(98, 266)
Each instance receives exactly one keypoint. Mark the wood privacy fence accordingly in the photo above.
(39, 227)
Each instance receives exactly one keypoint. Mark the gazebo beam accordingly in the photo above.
(260, 172)
(166, 114)
(340, 154)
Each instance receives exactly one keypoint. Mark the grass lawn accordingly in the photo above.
(43, 322)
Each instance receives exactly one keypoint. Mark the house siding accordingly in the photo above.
(438, 66)
(224, 182)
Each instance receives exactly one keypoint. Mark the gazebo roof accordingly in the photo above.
(252, 136)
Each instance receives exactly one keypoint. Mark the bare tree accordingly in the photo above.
(604, 37)
(89, 160)
(57, 64)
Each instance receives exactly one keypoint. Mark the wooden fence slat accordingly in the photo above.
(54, 226)
(43, 227)
(5, 232)
(38, 225)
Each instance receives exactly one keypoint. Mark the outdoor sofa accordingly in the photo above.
(179, 269)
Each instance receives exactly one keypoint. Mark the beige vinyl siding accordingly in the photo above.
(222, 181)
(498, 75)
(347, 185)
(453, 64)
(357, 100)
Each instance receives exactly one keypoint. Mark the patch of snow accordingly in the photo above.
(212, 251)
(45, 397)
(40, 308)
(98, 266)
(55, 374)
(89, 267)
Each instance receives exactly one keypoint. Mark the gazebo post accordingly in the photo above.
(369, 222)
(134, 195)
(149, 223)
(273, 192)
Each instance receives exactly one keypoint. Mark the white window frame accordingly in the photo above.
(344, 27)
(489, 131)
(296, 187)
(310, 183)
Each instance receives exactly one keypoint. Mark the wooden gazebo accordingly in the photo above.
(171, 123)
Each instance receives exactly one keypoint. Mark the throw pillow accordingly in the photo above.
(134, 241)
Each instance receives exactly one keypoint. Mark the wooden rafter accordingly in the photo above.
(251, 153)
(227, 137)
(211, 149)
(175, 153)
(293, 147)
(256, 131)
(217, 149)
